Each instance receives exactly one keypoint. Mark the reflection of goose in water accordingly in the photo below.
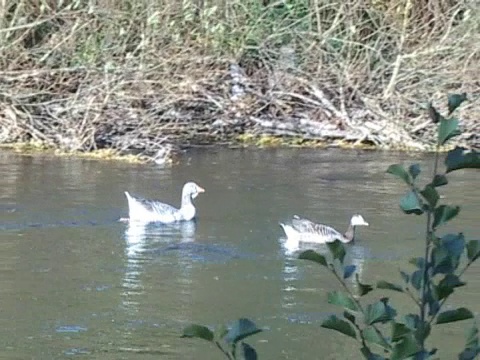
(145, 211)
(355, 254)
(293, 271)
(138, 234)
(141, 240)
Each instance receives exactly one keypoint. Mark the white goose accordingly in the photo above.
(304, 230)
(145, 211)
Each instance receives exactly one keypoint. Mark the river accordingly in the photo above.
(76, 283)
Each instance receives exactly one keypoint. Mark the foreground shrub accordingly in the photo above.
(227, 339)
(437, 275)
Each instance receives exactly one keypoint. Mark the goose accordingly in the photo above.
(304, 230)
(145, 211)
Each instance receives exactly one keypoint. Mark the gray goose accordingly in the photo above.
(143, 210)
(304, 230)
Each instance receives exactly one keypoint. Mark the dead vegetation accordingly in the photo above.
(153, 77)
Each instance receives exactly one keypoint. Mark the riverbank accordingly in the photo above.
(150, 82)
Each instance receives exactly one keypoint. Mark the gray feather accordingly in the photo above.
(155, 205)
(306, 226)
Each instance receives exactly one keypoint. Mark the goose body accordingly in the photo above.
(144, 210)
(304, 230)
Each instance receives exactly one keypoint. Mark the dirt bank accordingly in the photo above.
(153, 80)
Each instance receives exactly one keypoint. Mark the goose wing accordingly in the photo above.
(306, 226)
(156, 206)
(303, 225)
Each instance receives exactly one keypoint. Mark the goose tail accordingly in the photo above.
(132, 203)
(130, 199)
(290, 232)
(292, 241)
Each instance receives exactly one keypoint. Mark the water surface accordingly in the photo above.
(76, 283)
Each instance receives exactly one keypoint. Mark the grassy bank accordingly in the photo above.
(152, 77)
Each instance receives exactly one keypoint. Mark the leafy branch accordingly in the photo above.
(437, 274)
(230, 338)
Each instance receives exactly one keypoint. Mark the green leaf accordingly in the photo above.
(414, 170)
(419, 262)
(367, 354)
(442, 261)
(372, 336)
(313, 256)
(400, 172)
(389, 286)
(348, 271)
(405, 347)
(447, 285)
(469, 353)
(341, 299)
(410, 205)
(472, 336)
(448, 128)
(405, 276)
(412, 321)
(249, 353)
(198, 331)
(423, 330)
(430, 194)
(420, 329)
(454, 315)
(461, 158)
(473, 250)
(439, 180)
(349, 316)
(455, 100)
(472, 348)
(221, 332)
(337, 324)
(447, 252)
(455, 243)
(443, 214)
(451, 280)
(424, 355)
(337, 250)
(432, 302)
(417, 279)
(434, 114)
(399, 331)
(241, 329)
(363, 289)
(379, 312)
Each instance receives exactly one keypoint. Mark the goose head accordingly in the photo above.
(358, 220)
(191, 190)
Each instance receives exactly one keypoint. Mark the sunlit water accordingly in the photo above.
(76, 283)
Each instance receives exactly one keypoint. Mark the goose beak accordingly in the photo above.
(200, 189)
